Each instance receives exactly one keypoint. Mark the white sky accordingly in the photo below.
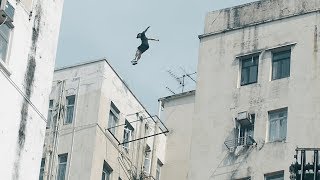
(108, 28)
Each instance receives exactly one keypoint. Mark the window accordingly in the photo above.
(4, 41)
(127, 135)
(249, 70)
(50, 111)
(158, 170)
(113, 118)
(246, 178)
(106, 171)
(42, 169)
(281, 64)
(278, 125)
(245, 131)
(147, 160)
(62, 168)
(275, 176)
(70, 109)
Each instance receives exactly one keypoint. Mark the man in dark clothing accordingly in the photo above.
(143, 47)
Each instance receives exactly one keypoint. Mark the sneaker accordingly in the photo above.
(134, 62)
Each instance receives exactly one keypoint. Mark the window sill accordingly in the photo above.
(241, 85)
(5, 68)
(277, 141)
(280, 78)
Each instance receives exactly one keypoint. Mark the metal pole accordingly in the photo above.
(303, 163)
(73, 127)
(315, 164)
(55, 133)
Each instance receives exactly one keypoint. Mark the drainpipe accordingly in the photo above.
(73, 127)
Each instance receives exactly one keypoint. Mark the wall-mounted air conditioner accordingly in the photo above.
(6, 12)
(244, 118)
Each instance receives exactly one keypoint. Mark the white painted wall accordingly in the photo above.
(178, 112)
(22, 160)
(99, 85)
(219, 97)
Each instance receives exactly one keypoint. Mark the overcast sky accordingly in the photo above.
(107, 28)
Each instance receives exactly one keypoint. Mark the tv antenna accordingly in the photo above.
(181, 79)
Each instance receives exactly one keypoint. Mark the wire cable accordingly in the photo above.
(4, 21)
(23, 95)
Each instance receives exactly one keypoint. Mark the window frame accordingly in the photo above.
(130, 129)
(7, 39)
(158, 170)
(65, 163)
(106, 171)
(114, 116)
(147, 160)
(50, 113)
(278, 123)
(281, 60)
(42, 166)
(248, 69)
(68, 120)
(274, 175)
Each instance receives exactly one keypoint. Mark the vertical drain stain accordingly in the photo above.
(28, 88)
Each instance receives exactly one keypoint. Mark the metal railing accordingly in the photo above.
(242, 141)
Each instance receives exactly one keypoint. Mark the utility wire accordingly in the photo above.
(23, 95)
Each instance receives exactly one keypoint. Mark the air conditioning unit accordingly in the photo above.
(6, 12)
(244, 118)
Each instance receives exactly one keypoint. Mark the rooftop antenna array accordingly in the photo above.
(181, 79)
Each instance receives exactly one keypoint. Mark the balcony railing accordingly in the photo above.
(242, 141)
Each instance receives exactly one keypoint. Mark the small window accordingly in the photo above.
(147, 160)
(5, 31)
(127, 135)
(42, 169)
(281, 64)
(62, 167)
(245, 132)
(70, 109)
(158, 170)
(106, 171)
(278, 125)
(249, 70)
(50, 113)
(275, 176)
(113, 118)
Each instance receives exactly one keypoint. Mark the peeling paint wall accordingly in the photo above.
(220, 97)
(31, 57)
(99, 86)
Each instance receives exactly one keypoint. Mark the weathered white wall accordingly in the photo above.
(219, 97)
(99, 85)
(30, 62)
(178, 113)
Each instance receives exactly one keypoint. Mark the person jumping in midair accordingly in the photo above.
(143, 47)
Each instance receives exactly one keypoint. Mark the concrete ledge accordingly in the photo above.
(255, 13)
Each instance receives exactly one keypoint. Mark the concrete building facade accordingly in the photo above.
(177, 111)
(29, 32)
(257, 95)
(92, 112)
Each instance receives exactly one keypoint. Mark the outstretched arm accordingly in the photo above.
(146, 29)
(153, 39)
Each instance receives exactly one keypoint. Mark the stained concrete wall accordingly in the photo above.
(29, 69)
(177, 113)
(219, 96)
(99, 85)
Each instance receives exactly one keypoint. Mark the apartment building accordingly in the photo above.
(29, 32)
(177, 112)
(257, 95)
(98, 129)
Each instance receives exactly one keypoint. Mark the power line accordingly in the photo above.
(23, 95)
